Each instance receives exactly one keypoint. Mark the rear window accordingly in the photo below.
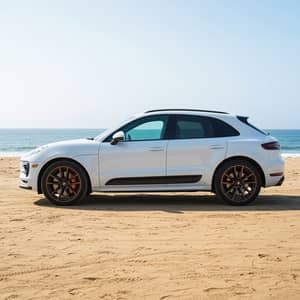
(245, 121)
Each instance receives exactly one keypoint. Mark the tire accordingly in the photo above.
(237, 182)
(64, 183)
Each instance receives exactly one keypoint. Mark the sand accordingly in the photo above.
(149, 246)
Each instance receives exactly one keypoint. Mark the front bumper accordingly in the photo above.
(25, 182)
(280, 182)
(28, 176)
(25, 187)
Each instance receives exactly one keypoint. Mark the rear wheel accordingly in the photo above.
(64, 183)
(238, 182)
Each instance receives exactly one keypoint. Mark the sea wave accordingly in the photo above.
(292, 147)
(290, 154)
(17, 148)
(11, 153)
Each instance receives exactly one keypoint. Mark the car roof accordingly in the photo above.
(185, 110)
(200, 112)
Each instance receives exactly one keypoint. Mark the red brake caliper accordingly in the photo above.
(73, 179)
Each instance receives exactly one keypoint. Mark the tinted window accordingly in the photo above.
(150, 130)
(191, 127)
(222, 129)
(147, 128)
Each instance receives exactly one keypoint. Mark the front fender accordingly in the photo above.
(88, 162)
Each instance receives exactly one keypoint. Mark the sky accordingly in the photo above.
(91, 64)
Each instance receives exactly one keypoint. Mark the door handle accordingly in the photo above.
(156, 149)
(216, 147)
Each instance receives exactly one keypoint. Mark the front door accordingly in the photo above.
(139, 159)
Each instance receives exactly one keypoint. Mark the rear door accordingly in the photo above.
(196, 146)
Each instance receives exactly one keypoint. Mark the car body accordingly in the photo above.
(160, 150)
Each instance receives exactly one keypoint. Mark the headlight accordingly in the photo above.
(24, 167)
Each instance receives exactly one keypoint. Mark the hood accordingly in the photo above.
(69, 148)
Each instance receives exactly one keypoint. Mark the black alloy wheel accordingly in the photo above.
(64, 183)
(238, 182)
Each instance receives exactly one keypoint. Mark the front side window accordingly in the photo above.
(151, 130)
(144, 129)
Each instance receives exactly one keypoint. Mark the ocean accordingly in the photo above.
(15, 142)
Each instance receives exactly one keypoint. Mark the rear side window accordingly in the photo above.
(193, 127)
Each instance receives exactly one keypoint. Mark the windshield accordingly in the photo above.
(107, 131)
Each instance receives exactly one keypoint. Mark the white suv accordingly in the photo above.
(160, 150)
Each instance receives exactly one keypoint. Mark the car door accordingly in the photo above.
(139, 159)
(195, 148)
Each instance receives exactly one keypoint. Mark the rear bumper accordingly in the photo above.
(274, 171)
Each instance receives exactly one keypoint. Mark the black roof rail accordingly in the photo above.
(176, 109)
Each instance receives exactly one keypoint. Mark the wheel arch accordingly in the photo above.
(262, 174)
(39, 181)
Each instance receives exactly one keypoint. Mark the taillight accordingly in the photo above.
(271, 146)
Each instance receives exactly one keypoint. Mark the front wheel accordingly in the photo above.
(237, 182)
(64, 183)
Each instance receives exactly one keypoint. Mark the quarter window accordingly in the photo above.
(222, 129)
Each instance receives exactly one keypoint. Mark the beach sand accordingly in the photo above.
(149, 246)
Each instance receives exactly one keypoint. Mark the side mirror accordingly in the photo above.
(118, 137)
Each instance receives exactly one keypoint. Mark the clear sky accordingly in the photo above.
(91, 63)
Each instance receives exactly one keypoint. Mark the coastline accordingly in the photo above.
(149, 246)
(16, 142)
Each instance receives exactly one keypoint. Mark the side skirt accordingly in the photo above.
(152, 188)
(154, 180)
